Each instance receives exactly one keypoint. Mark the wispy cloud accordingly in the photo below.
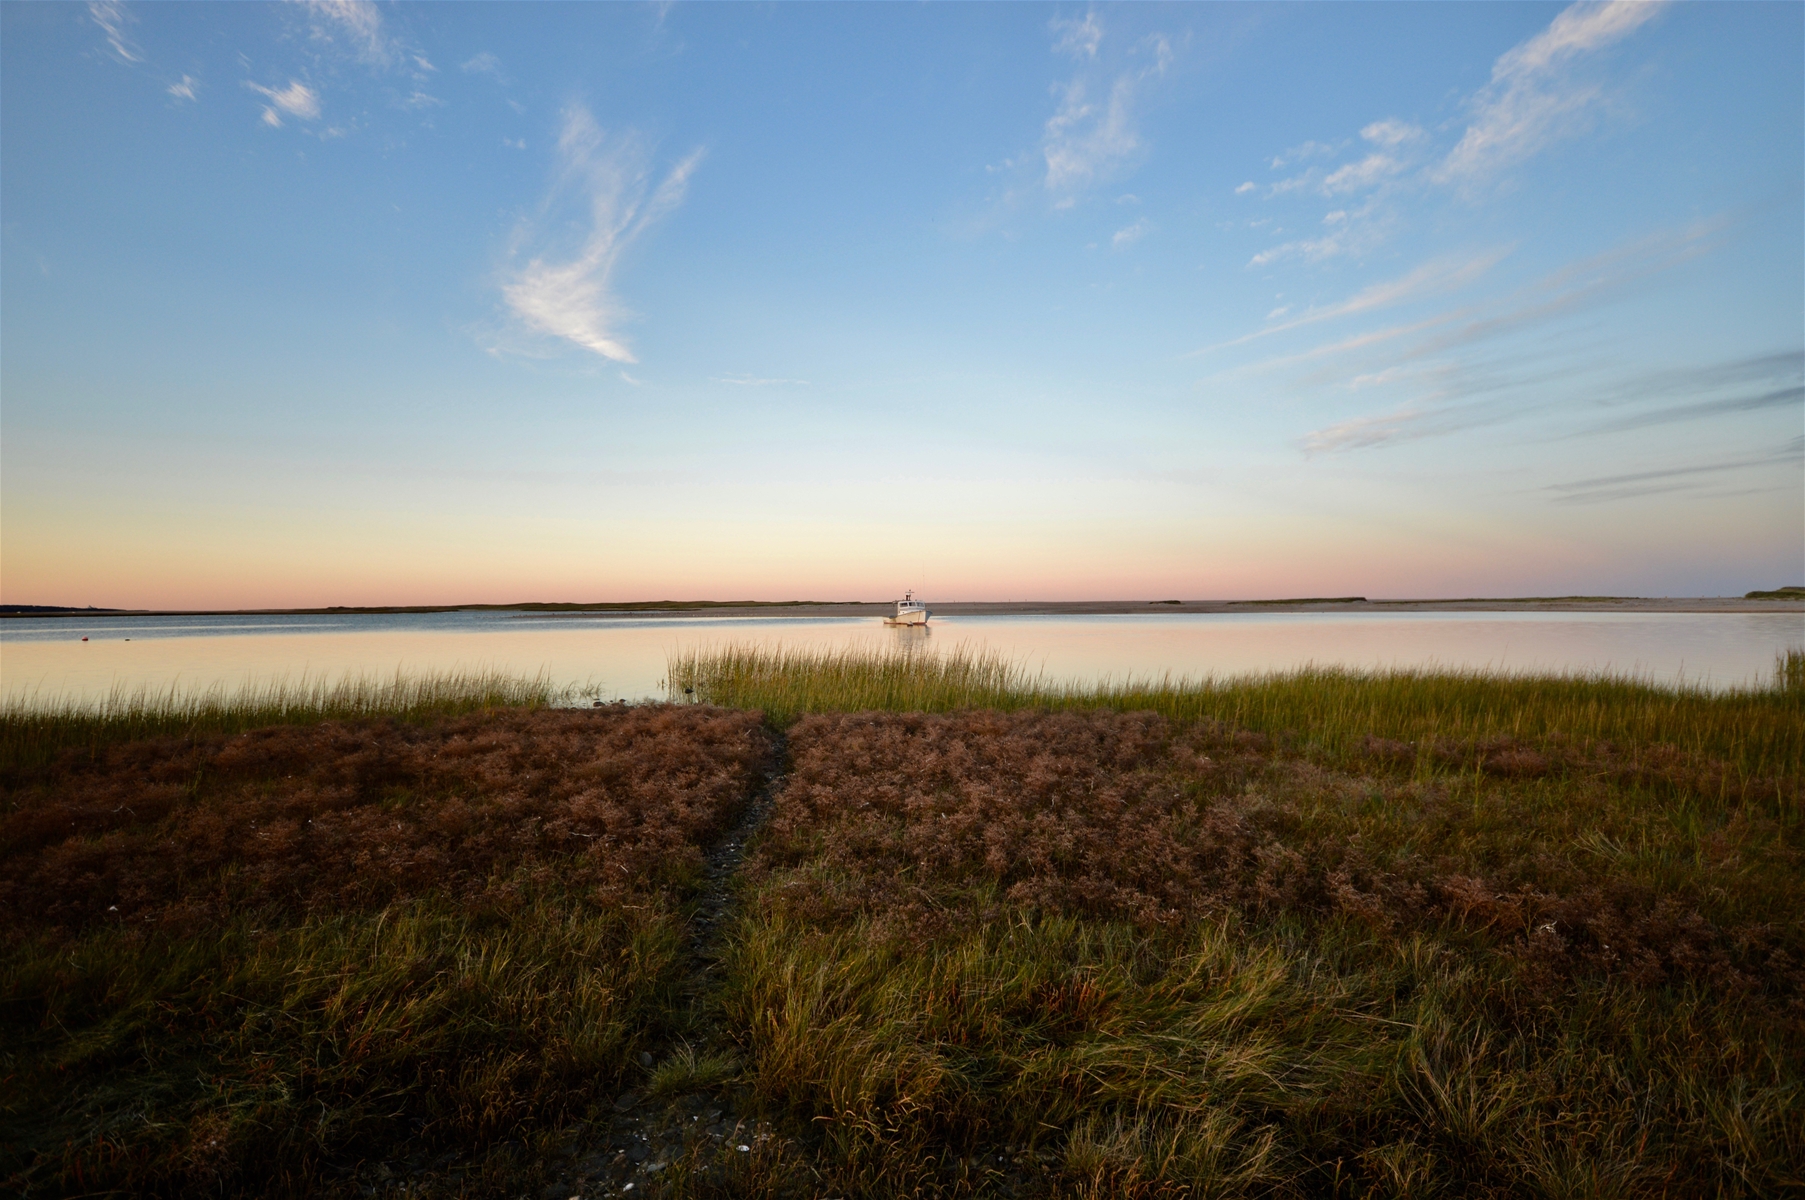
(1087, 140)
(1537, 95)
(1460, 398)
(484, 64)
(1300, 153)
(1533, 99)
(1438, 275)
(1791, 397)
(183, 90)
(1359, 176)
(1596, 278)
(1126, 237)
(1078, 37)
(570, 295)
(1671, 479)
(1778, 382)
(1486, 395)
(357, 22)
(114, 20)
(297, 100)
(1356, 230)
(1593, 279)
(1349, 232)
(1323, 247)
(1392, 132)
(1786, 366)
(1358, 432)
(1092, 134)
(1362, 175)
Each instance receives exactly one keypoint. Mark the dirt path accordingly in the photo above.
(681, 1113)
(695, 1124)
(722, 865)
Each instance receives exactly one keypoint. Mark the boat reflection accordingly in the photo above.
(909, 636)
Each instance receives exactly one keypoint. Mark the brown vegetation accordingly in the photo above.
(347, 816)
(242, 964)
(1095, 954)
(1126, 817)
(1332, 936)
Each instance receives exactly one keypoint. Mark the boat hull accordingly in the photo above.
(912, 616)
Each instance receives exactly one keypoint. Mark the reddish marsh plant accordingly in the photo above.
(1125, 956)
(242, 963)
(343, 816)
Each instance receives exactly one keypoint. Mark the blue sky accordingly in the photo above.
(352, 303)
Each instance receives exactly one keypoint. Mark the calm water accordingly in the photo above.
(625, 657)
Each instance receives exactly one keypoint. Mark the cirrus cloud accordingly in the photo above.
(297, 100)
(1093, 133)
(358, 22)
(113, 18)
(1532, 100)
(568, 292)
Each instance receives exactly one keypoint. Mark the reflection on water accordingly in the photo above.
(908, 637)
(625, 656)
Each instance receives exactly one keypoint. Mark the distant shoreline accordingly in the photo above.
(860, 608)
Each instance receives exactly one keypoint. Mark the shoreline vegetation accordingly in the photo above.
(1315, 933)
(34, 730)
(532, 606)
(1755, 601)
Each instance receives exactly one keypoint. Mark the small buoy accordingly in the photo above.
(84, 639)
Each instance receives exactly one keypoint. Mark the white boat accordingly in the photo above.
(909, 611)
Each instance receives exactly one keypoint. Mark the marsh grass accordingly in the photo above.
(265, 1057)
(1325, 933)
(1098, 954)
(1082, 1058)
(243, 963)
(34, 729)
(1321, 933)
(1759, 731)
(688, 1069)
(1789, 673)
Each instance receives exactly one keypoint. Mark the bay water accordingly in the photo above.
(45, 660)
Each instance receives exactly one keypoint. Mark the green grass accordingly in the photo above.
(35, 729)
(261, 965)
(917, 1029)
(1235, 1059)
(259, 1056)
(1305, 1046)
(1760, 731)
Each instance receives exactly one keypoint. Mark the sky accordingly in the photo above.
(351, 303)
